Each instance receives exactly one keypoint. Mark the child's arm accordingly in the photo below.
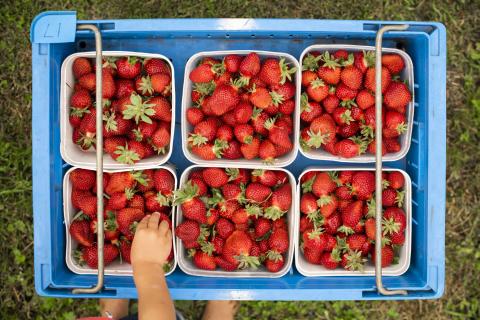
(150, 249)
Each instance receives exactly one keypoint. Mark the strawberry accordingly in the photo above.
(274, 264)
(348, 148)
(330, 103)
(345, 93)
(80, 231)
(327, 205)
(232, 63)
(281, 201)
(305, 224)
(397, 238)
(262, 226)
(223, 99)
(224, 264)
(87, 204)
(352, 77)
(76, 115)
(225, 133)
(119, 200)
(389, 197)
(342, 115)
(322, 131)
(243, 133)
(108, 86)
(323, 184)
(161, 139)
(155, 201)
(394, 125)
(250, 65)
(363, 60)
(392, 144)
(243, 112)
(205, 72)
(224, 228)
(317, 90)
(80, 99)
(330, 260)
(369, 81)
(309, 109)
(204, 261)
(218, 244)
(394, 220)
(260, 97)
(83, 179)
(287, 107)
(274, 71)
(312, 239)
(125, 250)
(191, 245)
(128, 67)
(155, 65)
(341, 55)
(188, 230)
(356, 241)
(363, 184)
(232, 151)
(308, 204)
(265, 177)
(397, 96)
(125, 88)
(267, 151)
(258, 121)
(387, 256)
(81, 66)
(283, 92)
(307, 77)
(330, 70)
(87, 81)
(164, 181)
(348, 130)
(257, 192)
(127, 220)
(204, 131)
(393, 62)
(278, 241)
(192, 207)
(396, 180)
(215, 177)
(161, 83)
(114, 124)
(365, 99)
(331, 241)
(119, 181)
(250, 151)
(372, 147)
(332, 223)
(162, 109)
(352, 214)
(137, 201)
(236, 250)
(312, 255)
(210, 151)
(90, 257)
(194, 115)
(277, 133)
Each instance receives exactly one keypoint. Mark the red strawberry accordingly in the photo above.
(330, 70)
(317, 90)
(164, 181)
(370, 79)
(90, 257)
(161, 139)
(262, 226)
(236, 250)
(352, 214)
(328, 205)
(161, 107)
(218, 244)
(323, 184)
(342, 115)
(330, 103)
(330, 260)
(210, 151)
(305, 224)
(204, 261)
(278, 241)
(312, 255)
(396, 180)
(261, 98)
(258, 121)
(257, 192)
(392, 144)
(194, 115)
(394, 220)
(188, 230)
(76, 115)
(232, 63)
(395, 124)
(87, 81)
(274, 264)
(243, 112)
(307, 77)
(352, 77)
(345, 93)
(224, 228)
(225, 133)
(287, 107)
(204, 73)
(161, 83)
(393, 62)
(125, 88)
(322, 131)
(127, 219)
(363, 184)
(332, 223)
(265, 177)
(274, 71)
(108, 86)
(283, 92)
(364, 60)
(348, 130)
(267, 151)
(204, 131)
(191, 245)
(215, 177)
(250, 151)
(119, 200)
(277, 133)
(341, 55)
(155, 65)
(224, 264)
(281, 201)
(365, 99)
(387, 256)
(397, 96)
(81, 66)
(312, 239)
(250, 65)
(310, 109)
(81, 99)
(125, 249)
(348, 148)
(80, 231)
(83, 179)
(370, 228)
(356, 241)
(243, 133)
(192, 207)
(223, 99)
(389, 197)
(128, 67)
(232, 152)
(308, 203)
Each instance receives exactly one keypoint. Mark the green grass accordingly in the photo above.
(17, 295)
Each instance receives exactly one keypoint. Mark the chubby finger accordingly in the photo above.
(163, 228)
(144, 223)
(154, 219)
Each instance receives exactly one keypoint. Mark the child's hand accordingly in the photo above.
(152, 242)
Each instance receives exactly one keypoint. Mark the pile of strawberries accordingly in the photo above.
(242, 108)
(338, 103)
(337, 223)
(235, 218)
(136, 107)
(128, 197)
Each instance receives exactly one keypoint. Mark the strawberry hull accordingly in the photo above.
(71, 152)
(405, 139)
(186, 265)
(116, 268)
(404, 253)
(186, 127)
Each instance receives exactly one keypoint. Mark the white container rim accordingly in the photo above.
(284, 160)
(115, 268)
(85, 159)
(405, 139)
(310, 270)
(187, 266)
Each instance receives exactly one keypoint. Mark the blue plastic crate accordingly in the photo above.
(54, 37)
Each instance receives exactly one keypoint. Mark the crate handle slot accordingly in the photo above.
(99, 153)
(378, 159)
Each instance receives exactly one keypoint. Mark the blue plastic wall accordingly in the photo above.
(53, 39)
